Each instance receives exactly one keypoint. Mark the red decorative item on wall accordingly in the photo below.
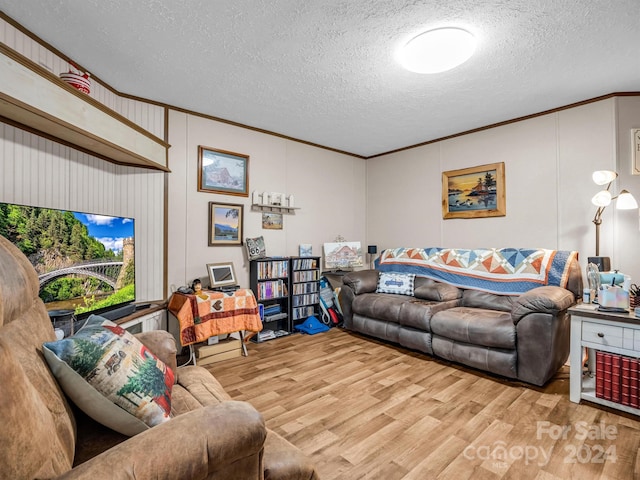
(77, 79)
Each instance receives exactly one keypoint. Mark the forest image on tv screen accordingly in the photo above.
(84, 262)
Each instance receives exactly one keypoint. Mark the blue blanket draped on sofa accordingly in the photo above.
(503, 271)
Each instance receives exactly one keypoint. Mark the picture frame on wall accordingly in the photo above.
(223, 172)
(474, 192)
(225, 223)
(271, 221)
(221, 274)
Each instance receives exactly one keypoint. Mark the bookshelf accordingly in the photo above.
(269, 280)
(305, 288)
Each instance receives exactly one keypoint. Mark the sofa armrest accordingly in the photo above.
(547, 299)
(218, 441)
(163, 345)
(362, 281)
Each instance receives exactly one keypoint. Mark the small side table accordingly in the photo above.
(219, 314)
(604, 331)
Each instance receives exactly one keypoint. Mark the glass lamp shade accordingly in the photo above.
(602, 198)
(602, 177)
(437, 50)
(625, 201)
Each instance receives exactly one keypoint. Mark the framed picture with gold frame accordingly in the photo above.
(223, 172)
(474, 192)
(225, 223)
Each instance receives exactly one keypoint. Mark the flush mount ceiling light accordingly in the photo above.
(437, 50)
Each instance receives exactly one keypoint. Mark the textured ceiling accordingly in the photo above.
(324, 71)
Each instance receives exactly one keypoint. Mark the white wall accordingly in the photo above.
(548, 165)
(329, 189)
(627, 223)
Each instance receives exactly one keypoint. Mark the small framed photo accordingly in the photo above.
(305, 250)
(474, 192)
(221, 274)
(225, 223)
(271, 221)
(223, 172)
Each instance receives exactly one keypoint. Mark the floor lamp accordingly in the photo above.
(602, 199)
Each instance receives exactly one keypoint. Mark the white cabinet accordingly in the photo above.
(154, 320)
(607, 332)
(35, 98)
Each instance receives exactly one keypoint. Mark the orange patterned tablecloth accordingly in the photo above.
(219, 314)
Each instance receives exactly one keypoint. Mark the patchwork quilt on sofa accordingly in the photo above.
(502, 271)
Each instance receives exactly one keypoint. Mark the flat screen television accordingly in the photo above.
(85, 262)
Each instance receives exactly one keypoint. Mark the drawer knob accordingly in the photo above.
(600, 334)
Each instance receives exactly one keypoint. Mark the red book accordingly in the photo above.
(599, 374)
(607, 375)
(626, 381)
(616, 378)
(633, 382)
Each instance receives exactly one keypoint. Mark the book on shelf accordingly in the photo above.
(305, 263)
(625, 381)
(616, 377)
(606, 375)
(634, 372)
(599, 374)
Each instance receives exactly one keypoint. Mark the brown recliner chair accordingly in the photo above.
(44, 436)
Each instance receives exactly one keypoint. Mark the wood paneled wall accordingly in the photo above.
(40, 172)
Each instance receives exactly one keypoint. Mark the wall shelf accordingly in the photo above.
(259, 207)
(33, 97)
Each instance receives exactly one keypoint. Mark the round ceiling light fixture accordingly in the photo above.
(437, 50)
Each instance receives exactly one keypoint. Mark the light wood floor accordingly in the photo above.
(361, 408)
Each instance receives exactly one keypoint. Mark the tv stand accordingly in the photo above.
(120, 312)
(146, 319)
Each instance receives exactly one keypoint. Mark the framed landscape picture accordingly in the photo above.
(272, 221)
(225, 224)
(223, 172)
(474, 192)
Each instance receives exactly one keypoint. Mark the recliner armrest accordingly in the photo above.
(225, 439)
(362, 281)
(547, 299)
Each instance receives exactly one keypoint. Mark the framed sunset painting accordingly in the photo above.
(474, 192)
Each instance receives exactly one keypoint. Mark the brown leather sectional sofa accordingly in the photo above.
(45, 437)
(525, 337)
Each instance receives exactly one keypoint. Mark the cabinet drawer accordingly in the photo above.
(603, 334)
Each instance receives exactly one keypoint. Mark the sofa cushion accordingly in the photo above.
(477, 326)
(381, 306)
(496, 360)
(490, 301)
(417, 313)
(112, 377)
(427, 289)
(398, 283)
